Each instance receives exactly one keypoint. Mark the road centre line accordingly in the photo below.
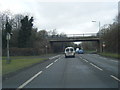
(96, 67)
(104, 58)
(114, 60)
(28, 81)
(81, 57)
(49, 65)
(56, 60)
(115, 78)
(85, 60)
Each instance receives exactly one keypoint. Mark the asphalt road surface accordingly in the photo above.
(83, 71)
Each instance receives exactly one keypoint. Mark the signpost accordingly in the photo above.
(8, 55)
(103, 45)
(46, 48)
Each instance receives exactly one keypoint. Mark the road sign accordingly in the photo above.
(104, 45)
(8, 36)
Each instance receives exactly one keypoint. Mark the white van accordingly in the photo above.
(69, 52)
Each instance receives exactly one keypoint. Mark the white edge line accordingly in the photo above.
(49, 65)
(28, 81)
(115, 78)
(54, 57)
(96, 66)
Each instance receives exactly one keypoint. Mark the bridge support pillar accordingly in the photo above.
(51, 46)
(98, 47)
(101, 45)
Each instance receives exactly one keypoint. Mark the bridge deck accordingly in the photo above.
(75, 40)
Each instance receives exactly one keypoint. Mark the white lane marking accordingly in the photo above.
(28, 81)
(101, 57)
(115, 78)
(114, 60)
(54, 57)
(104, 58)
(85, 60)
(56, 60)
(81, 57)
(96, 67)
(49, 65)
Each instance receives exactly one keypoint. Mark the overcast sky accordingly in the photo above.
(68, 17)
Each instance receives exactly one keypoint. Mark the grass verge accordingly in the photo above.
(112, 55)
(90, 51)
(18, 64)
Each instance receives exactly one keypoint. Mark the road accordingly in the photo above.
(83, 71)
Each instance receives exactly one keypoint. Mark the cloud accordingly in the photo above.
(68, 17)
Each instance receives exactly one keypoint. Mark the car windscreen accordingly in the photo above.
(71, 49)
(67, 50)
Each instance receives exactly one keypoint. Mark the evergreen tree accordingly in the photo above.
(25, 31)
(8, 29)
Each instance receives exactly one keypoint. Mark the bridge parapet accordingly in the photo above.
(75, 36)
(83, 35)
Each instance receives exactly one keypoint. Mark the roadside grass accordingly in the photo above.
(92, 51)
(112, 55)
(18, 64)
(13, 57)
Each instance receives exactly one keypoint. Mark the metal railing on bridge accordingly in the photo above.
(86, 35)
(73, 36)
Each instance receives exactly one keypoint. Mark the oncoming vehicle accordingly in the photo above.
(69, 52)
(77, 49)
(80, 51)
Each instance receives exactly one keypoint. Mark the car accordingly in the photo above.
(77, 49)
(69, 52)
(80, 51)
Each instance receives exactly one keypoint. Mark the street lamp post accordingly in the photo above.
(99, 33)
(99, 26)
(99, 30)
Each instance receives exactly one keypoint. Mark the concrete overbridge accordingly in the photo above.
(77, 38)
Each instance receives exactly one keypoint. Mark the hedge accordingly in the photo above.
(23, 51)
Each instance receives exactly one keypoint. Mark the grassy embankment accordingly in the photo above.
(18, 63)
(111, 55)
(90, 51)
